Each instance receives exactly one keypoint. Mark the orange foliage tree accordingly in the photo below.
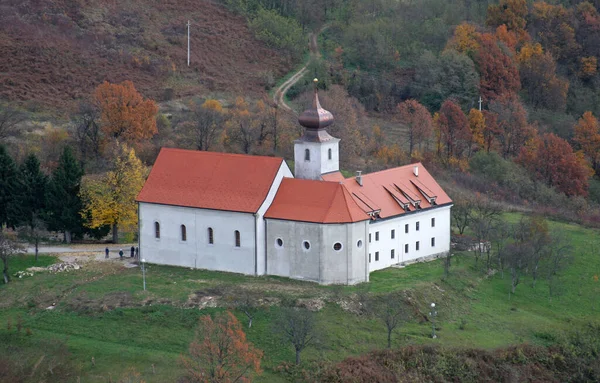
(498, 73)
(551, 159)
(512, 13)
(508, 38)
(587, 135)
(552, 26)
(220, 352)
(453, 130)
(477, 127)
(418, 122)
(464, 39)
(538, 77)
(124, 112)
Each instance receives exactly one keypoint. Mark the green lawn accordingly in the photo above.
(102, 312)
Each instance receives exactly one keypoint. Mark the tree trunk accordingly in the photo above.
(37, 247)
(389, 338)
(297, 357)
(5, 271)
(115, 233)
(67, 236)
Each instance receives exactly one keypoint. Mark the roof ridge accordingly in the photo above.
(330, 201)
(388, 170)
(203, 152)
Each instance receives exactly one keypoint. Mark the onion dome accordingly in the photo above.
(316, 118)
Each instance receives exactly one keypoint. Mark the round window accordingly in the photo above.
(306, 245)
(337, 246)
(359, 243)
(279, 242)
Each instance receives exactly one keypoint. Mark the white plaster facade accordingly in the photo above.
(323, 157)
(196, 251)
(288, 256)
(381, 241)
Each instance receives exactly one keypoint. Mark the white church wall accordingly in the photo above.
(222, 255)
(385, 244)
(321, 262)
(283, 172)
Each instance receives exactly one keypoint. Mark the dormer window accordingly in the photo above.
(306, 155)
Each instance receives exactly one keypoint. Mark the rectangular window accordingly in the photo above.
(377, 256)
(377, 236)
(417, 246)
(433, 222)
(369, 257)
(406, 249)
(417, 226)
(393, 233)
(406, 228)
(393, 254)
(433, 242)
(369, 237)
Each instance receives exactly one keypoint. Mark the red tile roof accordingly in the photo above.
(314, 201)
(389, 190)
(210, 180)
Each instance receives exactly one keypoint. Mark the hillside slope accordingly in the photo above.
(56, 52)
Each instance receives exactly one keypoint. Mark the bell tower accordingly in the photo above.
(316, 152)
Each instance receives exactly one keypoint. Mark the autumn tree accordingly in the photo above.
(10, 119)
(551, 160)
(298, 327)
(534, 231)
(491, 130)
(110, 199)
(477, 128)
(454, 130)
(125, 114)
(62, 196)
(511, 124)
(506, 37)
(461, 212)
(587, 32)
(552, 25)
(498, 73)
(484, 215)
(587, 135)
(220, 352)
(418, 121)
(465, 39)
(512, 13)
(208, 121)
(538, 78)
(88, 134)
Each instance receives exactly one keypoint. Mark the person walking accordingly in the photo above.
(121, 253)
(132, 251)
(137, 253)
(106, 251)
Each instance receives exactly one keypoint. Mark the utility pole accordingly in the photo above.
(188, 25)
(480, 100)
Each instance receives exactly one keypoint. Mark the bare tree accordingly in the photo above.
(390, 309)
(534, 232)
(500, 234)
(88, 134)
(9, 121)
(461, 213)
(297, 326)
(8, 249)
(484, 214)
(245, 301)
(515, 255)
(559, 257)
(208, 121)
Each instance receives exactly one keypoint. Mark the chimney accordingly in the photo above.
(359, 177)
(416, 170)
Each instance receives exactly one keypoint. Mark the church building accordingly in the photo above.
(249, 214)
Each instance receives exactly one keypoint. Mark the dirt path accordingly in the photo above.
(279, 96)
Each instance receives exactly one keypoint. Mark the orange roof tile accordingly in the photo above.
(314, 201)
(209, 180)
(384, 187)
(333, 176)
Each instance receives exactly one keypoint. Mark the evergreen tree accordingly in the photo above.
(62, 197)
(9, 188)
(32, 201)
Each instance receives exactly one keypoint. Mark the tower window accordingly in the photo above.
(306, 155)
(393, 233)
(377, 256)
(210, 236)
(329, 153)
(237, 239)
(156, 230)
(406, 249)
(433, 242)
(279, 243)
(183, 233)
(433, 222)
(393, 254)
(306, 245)
(417, 246)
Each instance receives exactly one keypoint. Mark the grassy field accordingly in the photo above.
(102, 312)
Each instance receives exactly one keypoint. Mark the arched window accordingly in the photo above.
(156, 230)
(210, 236)
(306, 155)
(329, 153)
(183, 233)
(237, 239)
